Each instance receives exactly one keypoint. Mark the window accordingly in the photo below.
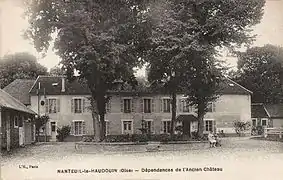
(211, 107)
(108, 106)
(127, 106)
(127, 127)
(52, 105)
(78, 127)
(166, 104)
(21, 121)
(16, 121)
(209, 125)
(147, 105)
(166, 127)
(148, 125)
(184, 106)
(254, 122)
(53, 126)
(264, 122)
(78, 105)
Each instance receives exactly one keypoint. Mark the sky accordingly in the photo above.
(269, 31)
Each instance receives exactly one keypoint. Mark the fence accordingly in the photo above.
(273, 131)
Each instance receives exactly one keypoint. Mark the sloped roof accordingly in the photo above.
(186, 117)
(8, 101)
(274, 110)
(76, 88)
(229, 86)
(53, 85)
(19, 89)
(258, 111)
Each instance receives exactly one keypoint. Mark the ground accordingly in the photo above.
(238, 158)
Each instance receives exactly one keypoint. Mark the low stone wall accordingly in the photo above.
(92, 147)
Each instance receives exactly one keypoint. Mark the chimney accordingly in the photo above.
(63, 84)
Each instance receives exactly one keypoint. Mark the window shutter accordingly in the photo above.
(213, 107)
(122, 105)
(107, 127)
(72, 105)
(142, 110)
(180, 105)
(83, 105)
(133, 105)
(153, 105)
(108, 106)
(46, 106)
(152, 127)
(73, 128)
(58, 105)
(83, 128)
(161, 105)
(214, 126)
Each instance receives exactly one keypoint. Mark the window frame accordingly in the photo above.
(132, 125)
(163, 121)
(163, 103)
(74, 133)
(213, 107)
(125, 99)
(151, 125)
(56, 104)
(81, 104)
(212, 125)
(183, 103)
(16, 121)
(150, 104)
(266, 122)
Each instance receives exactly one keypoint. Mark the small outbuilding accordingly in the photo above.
(16, 122)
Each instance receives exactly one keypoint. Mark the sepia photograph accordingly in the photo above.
(141, 89)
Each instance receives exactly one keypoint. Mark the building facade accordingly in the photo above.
(68, 104)
(16, 123)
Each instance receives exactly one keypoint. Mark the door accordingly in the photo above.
(53, 131)
(21, 136)
(186, 127)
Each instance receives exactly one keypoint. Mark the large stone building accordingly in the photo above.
(67, 104)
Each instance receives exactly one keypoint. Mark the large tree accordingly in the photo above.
(169, 43)
(186, 35)
(101, 39)
(260, 70)
(19, 66)
(217, 24)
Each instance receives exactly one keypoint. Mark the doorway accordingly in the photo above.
(53, 131)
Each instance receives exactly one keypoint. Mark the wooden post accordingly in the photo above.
(8, 129)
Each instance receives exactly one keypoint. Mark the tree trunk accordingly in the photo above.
(95, 120)
(101, 104)
(174, 112)
(201, 112)
(102, 127)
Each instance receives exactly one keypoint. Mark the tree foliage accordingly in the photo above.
(40, 122)
(240, 127)
(260, 70)
(184, 40)
(19, 66)
(57, 71)
(102, 39)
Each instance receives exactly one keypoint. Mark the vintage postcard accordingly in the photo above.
(141, 89)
